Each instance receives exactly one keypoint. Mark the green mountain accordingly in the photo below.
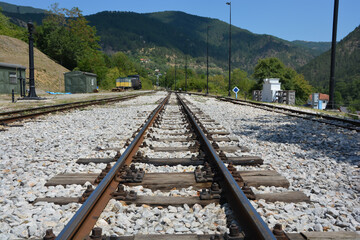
(186, 34)
(317, 47)
(161, 36)
(11, 8)
(347, 70)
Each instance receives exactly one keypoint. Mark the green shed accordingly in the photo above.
(80, 82)
(11, 75)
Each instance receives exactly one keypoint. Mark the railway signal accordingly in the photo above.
(236, 90)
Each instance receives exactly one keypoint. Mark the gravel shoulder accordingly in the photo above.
(53, 99)
(320, 160)
(32, 154)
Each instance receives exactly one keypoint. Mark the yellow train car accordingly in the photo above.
(124, 82)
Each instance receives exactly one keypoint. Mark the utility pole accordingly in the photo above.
(185, 72)
(175, 74)
(207, 60)
(331, 104)
(229, 94)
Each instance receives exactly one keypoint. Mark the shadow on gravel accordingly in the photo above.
(312, 137)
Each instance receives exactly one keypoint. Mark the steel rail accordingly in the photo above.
(273, 108)
(308, 116)
(353, 122)
(253, 225)
(85, 218)
(58, 107)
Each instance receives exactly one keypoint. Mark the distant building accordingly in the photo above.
(11, 77)
(80, 82)
(318, 100)
(270, 87)
(272, 93)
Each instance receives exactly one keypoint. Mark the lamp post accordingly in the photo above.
(32, 93)
(186, 61)
(175, 74)
(331, 104)
(229, 94)
(207, 60)
(185, 72)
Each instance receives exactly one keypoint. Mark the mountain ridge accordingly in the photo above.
(12, 8)
(347, 70)
(187, 33)
(175, 27)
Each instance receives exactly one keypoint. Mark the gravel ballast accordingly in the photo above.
(318, 159)
(32, 154)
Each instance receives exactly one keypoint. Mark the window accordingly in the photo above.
(12, 78)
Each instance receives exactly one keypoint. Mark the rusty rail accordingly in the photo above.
(254, 226)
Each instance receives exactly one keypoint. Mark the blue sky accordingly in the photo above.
(309, 20)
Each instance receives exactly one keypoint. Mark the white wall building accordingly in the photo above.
(270, 87)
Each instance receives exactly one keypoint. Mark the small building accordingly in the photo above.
(257, 95)
(80, 82)
(270, 87)
(286, 97)
(318, 100)
(11, 76)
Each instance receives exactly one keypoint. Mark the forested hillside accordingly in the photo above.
(185, 33)
(154, 45)
(347, 71)
(20, 9)
(162, 35)
(317, 47)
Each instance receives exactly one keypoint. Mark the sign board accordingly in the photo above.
(236, 90)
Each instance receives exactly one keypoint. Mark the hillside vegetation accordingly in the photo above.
(347, 71)
(155, 45)
(160, 34)
(182, 33)
(317, 47)
(7, 7)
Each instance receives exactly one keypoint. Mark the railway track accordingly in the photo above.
(203, 178)
(312, 116)
(17, 115)
(213, 177)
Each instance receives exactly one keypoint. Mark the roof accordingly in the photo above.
(10, 65)
(80, 72)
(272, 80)
(322, 97)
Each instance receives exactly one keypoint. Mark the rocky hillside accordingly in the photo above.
(48, 74)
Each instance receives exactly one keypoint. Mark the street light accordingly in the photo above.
(32, 92)
(175, 74)
(187, 50)
(185, 72)
(229, 3)
(207, 60)
(331, 104)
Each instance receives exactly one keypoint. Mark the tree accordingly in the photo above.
(66, 37)
(240, 79)
(11, 30)
(124, 65)
(268, 68)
